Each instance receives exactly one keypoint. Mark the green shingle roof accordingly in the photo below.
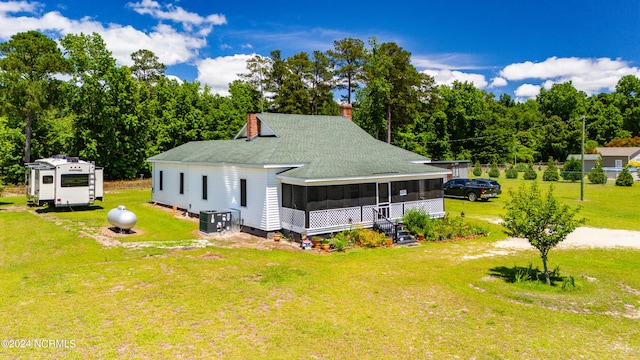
(326, 147)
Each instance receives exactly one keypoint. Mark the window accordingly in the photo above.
(618, 163)
(160, 180)
(243, 192)
(204, 187)
(47, 179)
(74, 180)
(181, 183)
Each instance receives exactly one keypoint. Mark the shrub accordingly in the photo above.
(477, 169)
(551, 174)
(495, 171)
(624, 178)
(597, 175)
(340, 241)
(370, 239)
(448, 228)
(511, 173)
(418, 222)
(572, 170)
(530, 174)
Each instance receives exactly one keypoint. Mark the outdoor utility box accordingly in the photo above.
(212, 221)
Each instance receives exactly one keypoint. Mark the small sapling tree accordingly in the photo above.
(597, 174)
(551, 174)
(477, 169)
(624, 178)
(572, 170)
(530, 174)
(494, 172)
(511, 173)
(542, 220)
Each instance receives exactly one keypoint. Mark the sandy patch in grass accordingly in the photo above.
(584, 237)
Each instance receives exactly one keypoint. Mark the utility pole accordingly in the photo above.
(582, 160)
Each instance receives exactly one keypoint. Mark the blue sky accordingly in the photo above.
(512, 47)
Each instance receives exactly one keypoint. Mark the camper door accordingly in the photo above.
(44, 185)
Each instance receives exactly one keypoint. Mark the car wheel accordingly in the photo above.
(472, 196)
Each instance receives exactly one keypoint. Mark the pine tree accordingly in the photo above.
(530, 174)
(624, 178)
(551, 173)
(495, 171)
(477, 169)
(597, 175)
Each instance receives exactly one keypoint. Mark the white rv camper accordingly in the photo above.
(63, 181)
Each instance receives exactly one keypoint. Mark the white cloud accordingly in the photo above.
(18, 6)
(179, 15)
(447, 77)
(218, 73)
(450, 61)
(169, 44)
(498, 82)
(588, 75)
(527, 91)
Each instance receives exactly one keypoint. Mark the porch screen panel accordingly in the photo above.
(368, 194)
(287, 198)
(299, 196)
(431, 189)
(335, 196)
(317, 198)
(410, 187)
(351, 195)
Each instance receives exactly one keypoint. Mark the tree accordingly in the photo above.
(511, 173)
(597, 174)
(543, 221)
(624, 178)
(551, 173)
(348, 58)
(494, 172)
(258, 76)
(146, 67)
(530, 174)
(477, 169)
(28, 63)
(572, 170)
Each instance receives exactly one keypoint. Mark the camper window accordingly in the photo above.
(47, 179)
(74, 180)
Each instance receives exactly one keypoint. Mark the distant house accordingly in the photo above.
(458, 168)
(589, 160)
(614, 159)
(299, 173)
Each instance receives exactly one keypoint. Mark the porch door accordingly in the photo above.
(384, 198)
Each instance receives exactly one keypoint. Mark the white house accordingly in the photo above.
(298, 173)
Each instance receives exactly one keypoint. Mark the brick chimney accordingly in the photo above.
(253, 126)
(345, 110)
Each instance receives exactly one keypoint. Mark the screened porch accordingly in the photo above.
(331, 208)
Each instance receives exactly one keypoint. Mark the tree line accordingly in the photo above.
(73, 98)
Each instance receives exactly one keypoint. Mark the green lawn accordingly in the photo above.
(433, 301)
(604, 206)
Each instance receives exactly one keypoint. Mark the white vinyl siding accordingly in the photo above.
(263, 207)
